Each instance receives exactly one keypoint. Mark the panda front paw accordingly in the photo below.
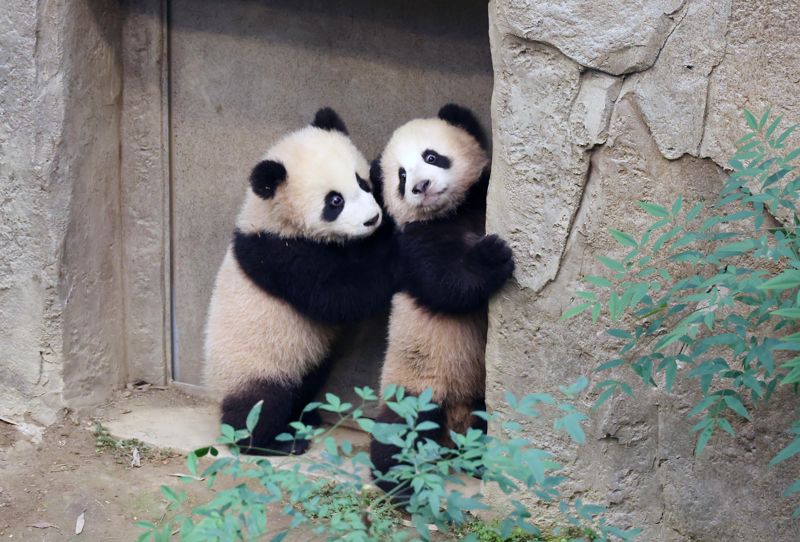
(493, 255)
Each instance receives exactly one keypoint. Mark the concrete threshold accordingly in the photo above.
(169, 419)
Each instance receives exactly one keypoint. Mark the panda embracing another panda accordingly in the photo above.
(434, 174)
(310, 253)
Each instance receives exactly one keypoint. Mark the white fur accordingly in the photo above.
(448, 186)
(317, 162)
(251, 334)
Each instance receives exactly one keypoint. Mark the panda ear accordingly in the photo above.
(465, 119)
(266, 177)
(376, 178)
(328, 119)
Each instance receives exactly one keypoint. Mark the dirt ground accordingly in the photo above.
(46, 486)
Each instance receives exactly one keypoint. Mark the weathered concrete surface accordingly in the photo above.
(90, 284)
(59, 237)
(144, 192)
(554, 196)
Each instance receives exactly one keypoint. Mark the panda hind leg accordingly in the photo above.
(280, 403)
(383, 455)
(479, 405)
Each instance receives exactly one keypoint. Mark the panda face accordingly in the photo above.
(312, 184)
(428, 167)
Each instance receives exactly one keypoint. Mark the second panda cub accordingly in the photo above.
(434, 174)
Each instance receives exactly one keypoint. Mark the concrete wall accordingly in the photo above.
(598, 105)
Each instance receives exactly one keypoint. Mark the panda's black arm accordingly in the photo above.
(329, 283)
(446, 274)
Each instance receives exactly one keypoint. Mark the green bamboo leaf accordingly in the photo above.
(764, 118)
(614, 265)
(702, 440)
(656, 210)
(599, 281)
(788, 279)
(772, 126)
(791, 450)
(620, 333)
(751, 120)
(694, 211)
(253, 415)
(623, 238)
(786, 133)
(596, 308)
(792, 155)
(609, 365)
(574, 311)
(736, 405)
(614, 306)
(677, 206)
(788, 313)
(794, 488)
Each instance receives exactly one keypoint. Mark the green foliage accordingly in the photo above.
(484, 531)
(351, 509)
(123, 450)
(715, 300)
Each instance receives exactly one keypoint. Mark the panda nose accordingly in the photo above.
(372, 221)
(421, 187)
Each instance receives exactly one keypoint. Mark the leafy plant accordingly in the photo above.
(123, 451)
(715, 300)
(352, 509)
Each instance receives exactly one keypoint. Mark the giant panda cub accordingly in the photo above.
(309, 253)
(434, 174)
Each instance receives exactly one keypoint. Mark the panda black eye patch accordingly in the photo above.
(363, 184)
(435, 159)
(402, 187)
(334, 203)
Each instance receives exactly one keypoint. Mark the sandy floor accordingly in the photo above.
(45, 486)
(50, 480)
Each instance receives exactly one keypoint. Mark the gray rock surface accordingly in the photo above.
(60, 323)
(614, 36)
(662, 131)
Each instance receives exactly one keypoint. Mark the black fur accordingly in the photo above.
(327, 282)
(402, 186)
(331, 212)
(443, 266)
(266, 176)
(433, 158)
(363, 184)
(479, 405)
(376, 178)
(465, 119)
(328, 119)
(382, 455)
(283, 403)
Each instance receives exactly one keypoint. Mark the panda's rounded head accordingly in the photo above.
(313, 184)
(429, 165)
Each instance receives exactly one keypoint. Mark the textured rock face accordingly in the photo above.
(614, 36)
(59, 149)
(29, 133)
(574, 149)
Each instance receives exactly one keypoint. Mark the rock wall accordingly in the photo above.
(60, 320)
(598, 105)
